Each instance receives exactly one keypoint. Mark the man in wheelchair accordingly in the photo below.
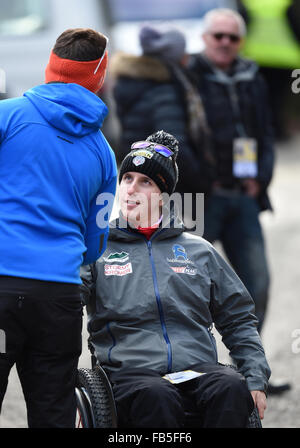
(152, 299)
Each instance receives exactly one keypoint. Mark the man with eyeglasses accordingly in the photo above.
(54, 164)
(236, 103)
(222, 37)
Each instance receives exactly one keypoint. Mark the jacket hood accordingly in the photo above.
(69, 107)
(138, 67)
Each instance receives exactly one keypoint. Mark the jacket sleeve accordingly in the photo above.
(87, 288)
(97, 224)
(232, 311)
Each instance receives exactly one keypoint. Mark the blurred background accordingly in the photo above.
(28, 30)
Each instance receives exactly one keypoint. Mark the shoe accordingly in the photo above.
(278, 389)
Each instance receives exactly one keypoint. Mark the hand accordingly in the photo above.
(252, 187)
(260, 401)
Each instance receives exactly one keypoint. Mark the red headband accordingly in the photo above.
(89, 74)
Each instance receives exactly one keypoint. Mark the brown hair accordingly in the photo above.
(80, 44)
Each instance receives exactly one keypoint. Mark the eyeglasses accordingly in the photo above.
(160, 149)
(233, 37)
(102, 57)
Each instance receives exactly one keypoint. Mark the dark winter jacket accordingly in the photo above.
(149, 98)
(236, 105)
(151, 304)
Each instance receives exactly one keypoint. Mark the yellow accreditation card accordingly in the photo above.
(180, 377)
(244, 157)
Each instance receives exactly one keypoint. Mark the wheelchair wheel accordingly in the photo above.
(95, 407)
(83, 413)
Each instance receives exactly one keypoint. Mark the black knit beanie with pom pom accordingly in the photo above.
(145, 159)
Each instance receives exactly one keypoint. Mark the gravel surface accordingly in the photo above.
(281, 333)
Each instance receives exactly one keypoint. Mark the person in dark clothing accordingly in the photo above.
(154, 91)
(54, 165)
(236, 103)
(152, 300)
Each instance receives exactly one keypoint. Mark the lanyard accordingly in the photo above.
(233, 96)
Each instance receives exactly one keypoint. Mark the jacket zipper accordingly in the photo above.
(158, 299)
(213, 341)
(160, 308)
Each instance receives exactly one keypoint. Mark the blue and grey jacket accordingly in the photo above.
(54, 163)
(151, 304)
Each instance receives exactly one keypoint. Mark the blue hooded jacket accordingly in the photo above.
(57, 182)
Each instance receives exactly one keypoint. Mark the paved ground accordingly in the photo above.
(280, 336)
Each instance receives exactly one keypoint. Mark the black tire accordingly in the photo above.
(95, 403)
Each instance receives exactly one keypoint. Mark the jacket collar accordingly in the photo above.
(170, 227)
(139, 67)
(241, 70)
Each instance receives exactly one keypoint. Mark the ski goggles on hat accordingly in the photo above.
(160, 149)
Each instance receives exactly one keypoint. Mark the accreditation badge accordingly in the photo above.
(244, 157)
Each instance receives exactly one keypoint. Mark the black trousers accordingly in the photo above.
(42, 324)
(145, 400)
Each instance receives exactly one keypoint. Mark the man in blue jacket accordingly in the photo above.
(55, 167)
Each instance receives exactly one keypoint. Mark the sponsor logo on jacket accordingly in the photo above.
(117, 269)
(117, 256)
(180, 257)
(184, 270)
